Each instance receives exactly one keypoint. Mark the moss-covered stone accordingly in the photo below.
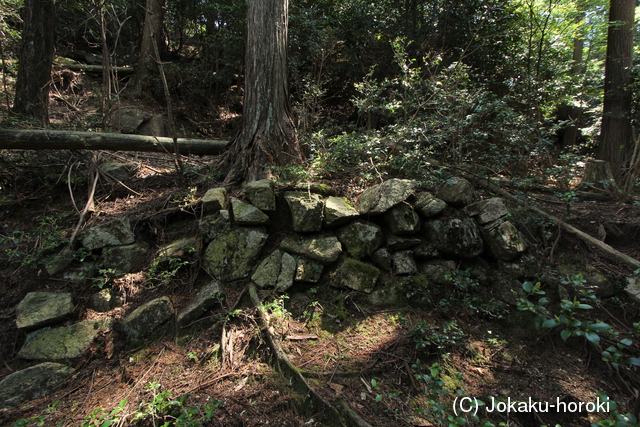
(356, 275)
(233, 256)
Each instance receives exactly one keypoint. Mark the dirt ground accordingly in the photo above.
(393, 366)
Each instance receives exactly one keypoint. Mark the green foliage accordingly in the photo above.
(615, 418)
(36, 420)
(435, 338)
(94, 419)
(166, 268)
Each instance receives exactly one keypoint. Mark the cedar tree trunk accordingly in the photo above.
(616, 137)
(36, 56)
(152, 43)
(268, 136)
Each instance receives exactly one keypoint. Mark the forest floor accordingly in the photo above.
(392, 366)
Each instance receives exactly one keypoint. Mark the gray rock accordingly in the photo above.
(457, 192)
(381, 197)
(404, 263)
(246, 214)
(81, 275)
(233, 255)
(204, 300)
(215, 199)
(426, 251)
(487, 210)
(398, 243)
(33, 383)
(67, 342)
(148, 322)
(178, 247)
(360, 238)
(59, 261)
(429, 205)
(125, 259)
(382, 259)
(438, 271)
(325, 249)
(308, 270)
(389, 293)
(101, 301)
(633, 289)
(287, 273)
(454, 236)
(356, 275)
(504, 240)
(266, 275)
(120, 171)
(261, 194)
(306, 211)
(115, 233)
(38, 309)
(338, 211)
(155, 126)
(402, 219)
(215, 225)
(127, 120)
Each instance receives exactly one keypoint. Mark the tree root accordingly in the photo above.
(312, 402)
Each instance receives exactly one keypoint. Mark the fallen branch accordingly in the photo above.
(96, 68)
(68, 140)
(634, 263)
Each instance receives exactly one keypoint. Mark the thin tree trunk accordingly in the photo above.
(268, 137)
(151, 34)
(36, 56)
(616, 138)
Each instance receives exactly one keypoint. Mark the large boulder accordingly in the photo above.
(324, 249)
(307, 211)
(247, 214)
(261, 194)
(356, 275)
(455, 236)
(402, 219)
(38, 309)
(338, 211)
(66, 342)
(115, 233)
(381, 197)
(457, 192)
(33, 383)
(233, 256)
(148, 322)
(155, 126)
(120, 171)
(204, 300)
(504, 240)
(360, 238)
(127, 120)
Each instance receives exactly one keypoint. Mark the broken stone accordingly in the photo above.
(356, 275)
(455, 236)
(66, 342)
(38, 309)
(246, 214)
(504, 240)
(261, 194)
(382, 259)
(120, 171)
(306, 211)
(215, 199)
(206, 298)
(325, 249)
(115, 233)
(488, 210)
(338, 211)
(148, 322)
(429, 205)
(308, 270)
(125, 259)
(402, 219)
(457, 192)
(155, 126)
(233, 255)
(403, 263)
(381, 197)
(214, 225)
(33, 383)
(360, 238)
(398, 243)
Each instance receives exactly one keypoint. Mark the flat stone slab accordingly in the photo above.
(338, 211)
(356, 275)
(488, 210)
(148, 322)
(38, 309)
(215, 199)
(115, 233)
(324, 249)
(33, 383)
(261, 194)
(247, 214)
(429, 205)
(67, 342)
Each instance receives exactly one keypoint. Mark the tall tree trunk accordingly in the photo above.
(616, 137)
(36, 56)
(268, 136)
(152, 43)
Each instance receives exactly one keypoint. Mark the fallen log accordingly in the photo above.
(96, 68)
(69, 140)
(630, 261)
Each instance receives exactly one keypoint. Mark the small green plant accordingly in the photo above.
(615, 418)
(165, 268)
(105, 420)
(435, 338)
(615, 357)
(36, 420)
